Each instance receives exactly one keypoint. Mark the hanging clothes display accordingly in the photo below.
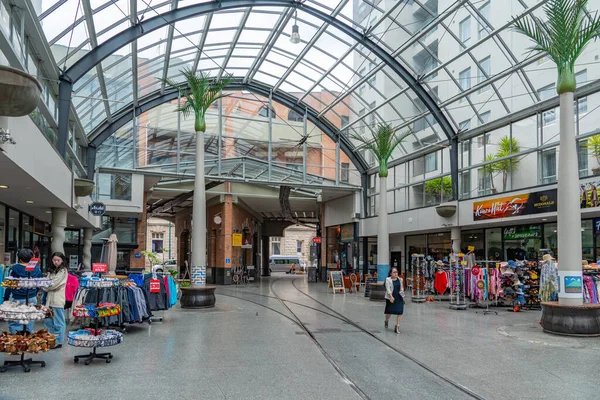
(441, 281)
(591, 286)
(4, 273)
(549, 280)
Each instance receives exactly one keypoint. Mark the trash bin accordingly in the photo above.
(223, 276)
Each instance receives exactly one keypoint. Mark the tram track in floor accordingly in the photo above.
(421, 364)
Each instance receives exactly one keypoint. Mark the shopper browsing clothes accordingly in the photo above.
(55, 298)
(19, 295)
(394, 298)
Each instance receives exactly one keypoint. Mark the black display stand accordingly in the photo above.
(26, 363)
(89, 357)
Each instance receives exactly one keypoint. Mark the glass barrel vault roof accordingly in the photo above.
(463, 52)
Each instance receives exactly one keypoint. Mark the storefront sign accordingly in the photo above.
(514, 206)
(247, 243)
(236, 240)
(523, 232)
(98, 209)
(73, 261)
(347, 233)
(154, 286)
(317, 240)
(31, 264)
(99, 268)
(573, 284)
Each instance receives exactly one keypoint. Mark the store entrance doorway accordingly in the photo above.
(396, 260)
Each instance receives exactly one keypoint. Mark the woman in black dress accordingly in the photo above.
(394, 298)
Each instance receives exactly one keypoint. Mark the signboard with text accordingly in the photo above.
(98, 209)
(236, 240)
(32, 264)
(317, 240)
(516, 205)
(522, 232)
(99, 268)
(154, 286)
(347, 232)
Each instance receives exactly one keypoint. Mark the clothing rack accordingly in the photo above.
(418, 261)
(93, 355)
(457, 289)
(26, 363)
(486, 288)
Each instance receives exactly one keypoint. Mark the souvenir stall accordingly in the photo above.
(591, 283)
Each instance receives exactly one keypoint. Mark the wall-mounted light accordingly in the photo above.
(295, 38)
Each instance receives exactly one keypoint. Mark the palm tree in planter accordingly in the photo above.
(563, 38)
(383, 143)
(592, 145)
(506, 147)
(438, 187)
(490, 170)
(200, 92)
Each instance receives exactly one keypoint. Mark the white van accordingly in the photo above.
(284, 263)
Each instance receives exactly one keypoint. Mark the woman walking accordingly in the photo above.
(56, 297)
(394, 298)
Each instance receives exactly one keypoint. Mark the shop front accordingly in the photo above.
(342, 247)
(438, 246)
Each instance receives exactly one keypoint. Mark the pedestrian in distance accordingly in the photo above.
(55, 298)
(394, 298)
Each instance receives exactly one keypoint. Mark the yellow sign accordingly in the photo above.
(471, 248)
(236, 240)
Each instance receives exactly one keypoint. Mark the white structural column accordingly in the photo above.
(383, 236)
(455, 238)
(87, 249)
(59, 223)
(199, 217)
(569, 213)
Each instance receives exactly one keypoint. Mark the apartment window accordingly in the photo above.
(266, 111)
(158, 235)
(431, 162)
(418, 167)
(295, 116)
(581, 79)
(484, 73)
(345, 172)
(275, 246)
(549, 166)
(361, 124)
(373, 79)
(464, 79)
(299, 246)
(484, 10)
(465, 125)
(465, 30)
(484, 184)
(548, 117)
(361, 90)
(485, 117)
(465, 185)
(345, 123)
(362, 72)
(483, 140)
(372, 120)
(157, 246)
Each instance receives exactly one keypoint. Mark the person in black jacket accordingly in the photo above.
(20, 295)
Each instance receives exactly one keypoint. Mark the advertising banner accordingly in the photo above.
(347, 233)
(515, 205)
(523, 232)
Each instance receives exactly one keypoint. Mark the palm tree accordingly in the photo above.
(383, 143)
(563, 38)
(200, 92)
(506, 147)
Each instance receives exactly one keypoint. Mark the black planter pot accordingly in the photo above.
(581, 320)
(197, 297)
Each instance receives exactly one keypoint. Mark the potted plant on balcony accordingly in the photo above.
(506, 147)
(592, 145)
(438, 187)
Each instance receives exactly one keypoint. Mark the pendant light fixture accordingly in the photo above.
(295, 38)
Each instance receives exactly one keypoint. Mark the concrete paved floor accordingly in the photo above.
(241, 350)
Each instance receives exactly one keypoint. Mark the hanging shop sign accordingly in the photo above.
(347, 233)
(73, 261)
(236, 240)
(247, 243)
(98, 209)
(317, 240)
(154, 286)
(516, 205)
(523, 232)
(32, 264)
(99, 268)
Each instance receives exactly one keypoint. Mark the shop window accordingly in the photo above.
(157, 246)
(548, 164)
(493, 244)
(551, 238)
(126, 230)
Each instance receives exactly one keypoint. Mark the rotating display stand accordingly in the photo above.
(457, 295)
(25, 363)
(418, 261)
(112, 340)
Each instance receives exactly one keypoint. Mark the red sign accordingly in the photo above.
(32, 264)
(154, 286)
(99, 268)
(317, 240)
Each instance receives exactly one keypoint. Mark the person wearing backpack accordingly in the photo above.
(55, 298)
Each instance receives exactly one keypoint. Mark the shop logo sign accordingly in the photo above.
(98, 209)
(520, 204)
(500, 208)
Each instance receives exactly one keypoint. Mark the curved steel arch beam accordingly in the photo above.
(156, 99)
(99, 53)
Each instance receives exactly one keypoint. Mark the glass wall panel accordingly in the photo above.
(525, 175)
(493, 244)
(587, 240)
(473, 238)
